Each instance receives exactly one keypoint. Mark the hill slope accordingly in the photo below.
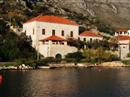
(114, 13)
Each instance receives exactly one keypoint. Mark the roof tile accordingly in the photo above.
(89, 33)
(121, 38)
(54, 38)
(53, 19)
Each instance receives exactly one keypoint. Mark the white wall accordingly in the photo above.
(123, 49)
(53, 50)
(38, 26)
(28, 27)
(122, 33)
(50, 50)
(89, 37)
(58, 28)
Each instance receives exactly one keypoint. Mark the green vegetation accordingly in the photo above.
(103, 27)
(99, 55)
(104, 44)
(74, 57)
(91, 56)
(13, 47)
(128, 55)
(127, 62)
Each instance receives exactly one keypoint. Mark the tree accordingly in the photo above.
(75, 57)
(13, 47)
(75, 42)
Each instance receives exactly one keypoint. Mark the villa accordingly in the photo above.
(122, 32)
(49, 35)
(89, 36)
(123, 38)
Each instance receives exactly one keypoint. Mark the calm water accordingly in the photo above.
(66, 83)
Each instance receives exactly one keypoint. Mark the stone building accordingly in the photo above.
(123, 38)
(49, 34)
(89, 36)
(122, 32)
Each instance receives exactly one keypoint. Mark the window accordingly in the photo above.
(43, 31)
(78, 38)
(91, 40)
(84, 39)
(53, 32)
(96, 40)
(62, 33)
(71, 34)
(33, 31)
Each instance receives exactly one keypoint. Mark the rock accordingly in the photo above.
(113, 64)
(115, 12)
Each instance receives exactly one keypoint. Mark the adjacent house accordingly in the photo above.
(122, 31)
(123, 46)
(49, 34)
(89, 36)
(123, 38)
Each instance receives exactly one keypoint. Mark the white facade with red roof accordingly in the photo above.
(123, 37)
(89, 36)
(123, 45)
(122, 32)
(49, 34)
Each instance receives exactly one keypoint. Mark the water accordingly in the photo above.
(66, 83)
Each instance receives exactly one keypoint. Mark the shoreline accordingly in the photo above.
(85, 66)
(114, 64)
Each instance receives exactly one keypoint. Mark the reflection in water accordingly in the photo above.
(1, 78)
(0, 82)
(66, 83)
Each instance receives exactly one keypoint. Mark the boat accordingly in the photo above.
(44, 67)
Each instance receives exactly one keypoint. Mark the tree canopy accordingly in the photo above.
(12, 46)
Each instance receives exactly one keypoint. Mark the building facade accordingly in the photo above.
(49, 34)
(123, 45)
(89, 36)
(122, 32)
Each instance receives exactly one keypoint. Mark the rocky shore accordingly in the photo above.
(86, 65)
(113, 64)
(21, 67)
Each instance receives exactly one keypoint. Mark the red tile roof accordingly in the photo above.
(121, 38)
(89, 33)
(54, 38)
(53, 19)
(122, 30)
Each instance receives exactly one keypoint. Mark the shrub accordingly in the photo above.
(46, 61)
(99, 55)
(127, 62)
(74, 57)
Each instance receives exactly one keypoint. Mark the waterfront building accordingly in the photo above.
(49, 35)
(123, 39)
(123, 46)
(89, 36)
(122, 32)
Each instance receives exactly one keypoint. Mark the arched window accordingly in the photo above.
(58, 57)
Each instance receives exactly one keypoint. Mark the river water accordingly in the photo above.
(95, 82)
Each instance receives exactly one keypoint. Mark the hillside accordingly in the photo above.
(106, 15)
